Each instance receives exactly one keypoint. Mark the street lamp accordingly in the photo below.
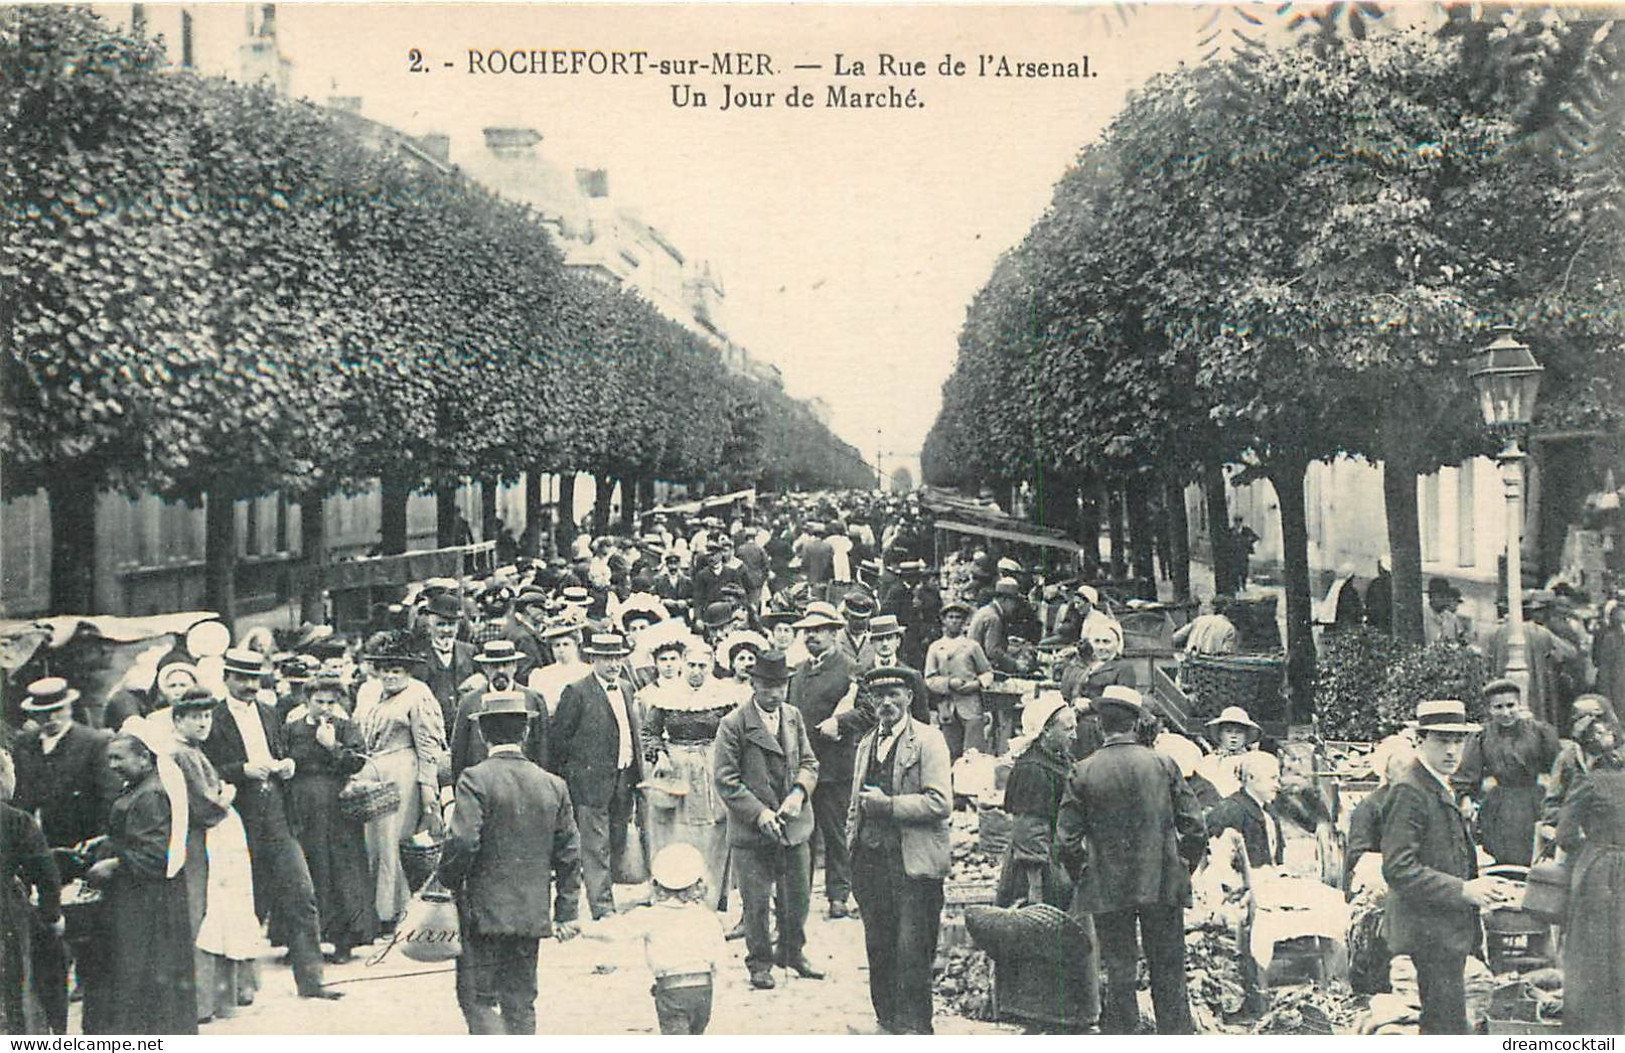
(1508, 379)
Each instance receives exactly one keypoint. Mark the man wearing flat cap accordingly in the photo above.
(1440, 622)
(1431, 866)
(766, 775)
(897, 832)
(956, 672)
(858, 608)
(989, 625)
(1131, 822)
(675, 588)
(709, 579)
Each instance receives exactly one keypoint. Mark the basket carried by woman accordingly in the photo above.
(420, 856)
(365, 798)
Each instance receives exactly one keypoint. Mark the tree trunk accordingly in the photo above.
(488, 507)
(1404, 537)
(1143, 544)
(1287, 475)
(629, 504)
(394, 491)
(531, 537)
(600, 508)
(1059, 509)
(1179, 538)
(646, 494)
(445, 514)
(313, 547)
(220, 553)
(1088, 533)
(73, 542)
(1159, 528)
(1119, 532)
(1218, 523)
(567, 510)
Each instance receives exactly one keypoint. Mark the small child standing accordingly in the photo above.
(682, 941)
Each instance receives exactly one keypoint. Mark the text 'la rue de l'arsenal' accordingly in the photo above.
(985, 65)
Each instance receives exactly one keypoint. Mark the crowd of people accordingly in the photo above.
(716, 706)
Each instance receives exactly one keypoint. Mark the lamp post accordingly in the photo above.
(1508, 379)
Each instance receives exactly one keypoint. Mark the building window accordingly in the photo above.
(1429, 514)
(1466, 516)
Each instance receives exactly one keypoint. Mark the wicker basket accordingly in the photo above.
(364, 799)
(1252, 682)
(419, 861)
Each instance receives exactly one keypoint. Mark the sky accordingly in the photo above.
(849, 242)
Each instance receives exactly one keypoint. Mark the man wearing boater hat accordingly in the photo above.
(1431, 866)
(248, 747)
(499, 662)
(1131, 821)
(512, 838)
(62, 771)
(595, 746)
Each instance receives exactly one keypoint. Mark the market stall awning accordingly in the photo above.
(402, 569)
(1019, 537)
(688, 508)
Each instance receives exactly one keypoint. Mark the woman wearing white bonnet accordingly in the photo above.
(1031, 870)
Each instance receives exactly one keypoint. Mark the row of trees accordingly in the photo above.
(213, 291)
(1284, 255)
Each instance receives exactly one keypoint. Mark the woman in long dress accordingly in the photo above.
(1502, 768)
(142, 983)
(1592, 830)
(326, 749)
(403, 733)
(219, 876)
(678, 731)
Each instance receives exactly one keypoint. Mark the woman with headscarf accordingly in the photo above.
(678, 731)
(1576, 755)
(26, 866)
(142, 979)
(1032, 871)
(1591, 830)
(403, 732)
(1107, 666)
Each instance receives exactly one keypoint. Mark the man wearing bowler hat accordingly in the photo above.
(448, 661)
(248, 747)
(817, 689)
(512, 838)
(595, 747)
(1133, 824)
(1431, 866)
(766, 776)
(858, 609)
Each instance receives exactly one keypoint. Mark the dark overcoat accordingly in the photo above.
(1139, 823)
(512, 853)
(755, 770)
(1427, 856)
(583, 741)
(72, 788)
(816, 689)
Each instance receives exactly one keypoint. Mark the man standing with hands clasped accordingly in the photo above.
(898, 833)
(765, 774)
(1430, 864)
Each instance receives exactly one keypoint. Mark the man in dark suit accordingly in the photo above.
(766, 773)
(448, 661)
(594, 745)
(819, 685)
(817, 560)
(1431, 866)
(247, 747)
(512, 836)
(675, 589)
(1129, 810)
(63, 778)
(499, 663)
(1249, 810)
(62, 772)
(710, 579)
